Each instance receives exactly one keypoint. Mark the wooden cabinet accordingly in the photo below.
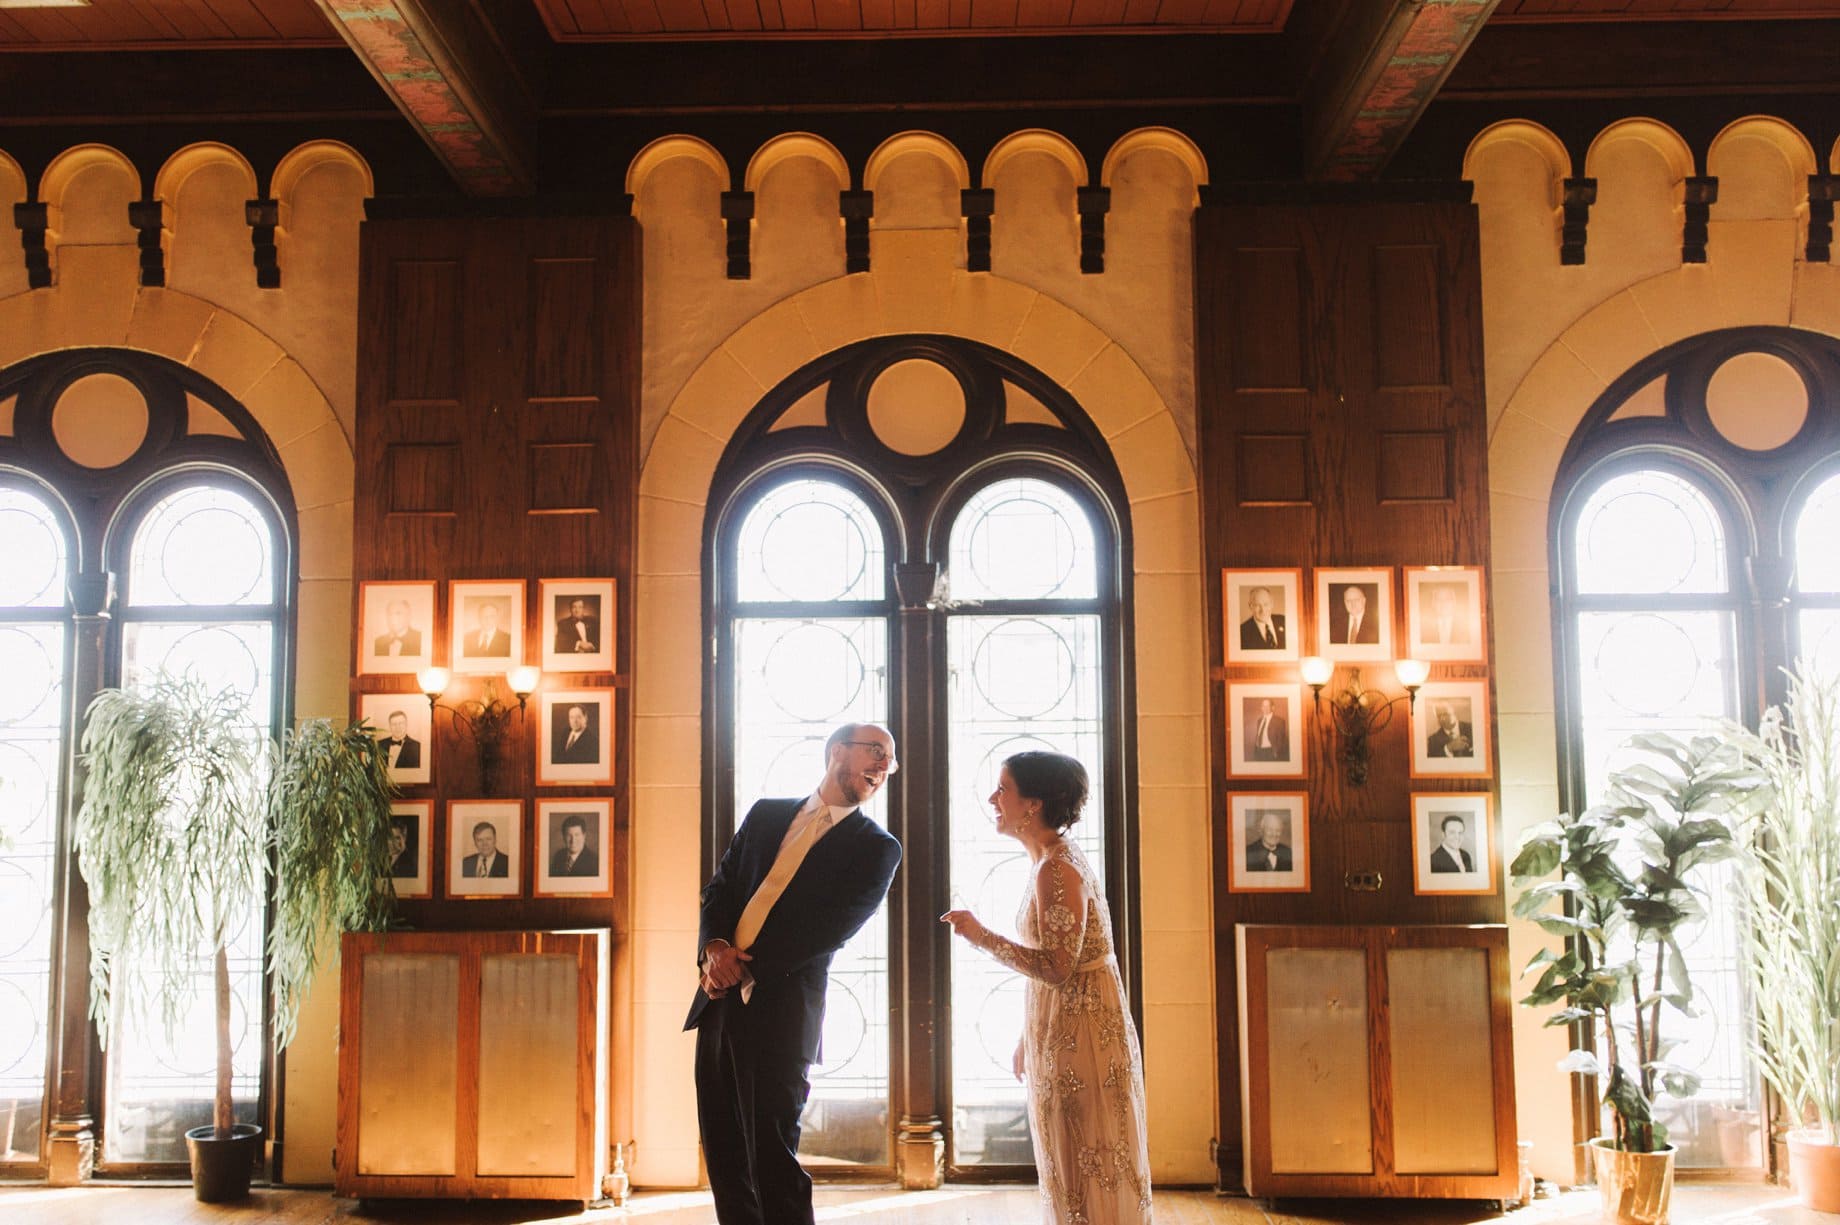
(1376, 1061)
(473, 1065)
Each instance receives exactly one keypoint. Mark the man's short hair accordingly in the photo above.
(1453, 816)
(485, 825)
(1252, 591)
(846, 732)
(405, 824)
(581, 706)
(575, 820)
(398, 714)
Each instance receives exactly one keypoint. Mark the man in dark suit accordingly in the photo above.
(1449, 738)
(486, 638)
(487, 862)
(405, 750)
(399, 639)
(1270, 853)
(1448, 624)
(1268, 736)
(574, 743)
(402, 855)
(1263, 630)
(1450, 855)
(1352, 622)
(573, 857)
(799, 878)
(578, 633)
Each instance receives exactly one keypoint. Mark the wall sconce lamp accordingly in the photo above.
(486, 719)
(1358, 711)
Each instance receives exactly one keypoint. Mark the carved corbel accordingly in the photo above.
(977, 205)
(1580, 195)
(264, 218)
(1094, 203)
(1702, 192)
(1823, 190)
(34, 221)
(857, 207)
(738, 216)
(148, 217)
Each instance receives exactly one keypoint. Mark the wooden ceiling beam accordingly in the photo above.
(1376, 71)
(447, 71)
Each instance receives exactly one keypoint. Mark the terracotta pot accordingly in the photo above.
(1814, 1169)
(1634, 1187)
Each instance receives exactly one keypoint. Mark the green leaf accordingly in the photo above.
(1583, 1062)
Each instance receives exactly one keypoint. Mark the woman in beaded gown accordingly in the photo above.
(1079, 1049)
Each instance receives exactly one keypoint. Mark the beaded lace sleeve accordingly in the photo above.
(1060, 920)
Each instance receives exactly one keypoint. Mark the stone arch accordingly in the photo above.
(789, 145)
(182, 165)
(1652, 132)
(305, 158)
(90, 217)
(1169, 141)
(1035, 140)
(13, 190)
(1525, 133)
(664, 149)
(1753, 187)
(916, 141)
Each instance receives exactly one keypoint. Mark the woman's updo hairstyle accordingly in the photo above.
(1055, 779)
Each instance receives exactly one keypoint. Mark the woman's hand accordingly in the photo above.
(1015, 1062)
(964, 923)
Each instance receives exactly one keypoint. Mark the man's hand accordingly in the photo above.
(723, 966)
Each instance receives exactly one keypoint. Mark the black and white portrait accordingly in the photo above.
(401, 721)
(1268, 841)
(1354, 615)
(395, 627)
(484, 838)
(1450, 730)
(574, 854)
(487, 623)
(411, 845)
(1260, 611)
(1264, 737)
(574, 741)
(577, 624)
(1451, 843)
(1444, 614)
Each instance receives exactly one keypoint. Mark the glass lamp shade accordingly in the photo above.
(523, 680)
(1411, 672)
(433, 681)
(1316, 670)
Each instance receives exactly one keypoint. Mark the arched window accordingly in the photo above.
(921, 531)
(145, 524)
(1692, 552)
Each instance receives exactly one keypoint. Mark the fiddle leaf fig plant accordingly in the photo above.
(1628, 886)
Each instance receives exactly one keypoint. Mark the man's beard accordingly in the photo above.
(852, 786)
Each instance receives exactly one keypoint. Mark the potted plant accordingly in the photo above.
(1790, 896)
(1626, 883)
(184, 800)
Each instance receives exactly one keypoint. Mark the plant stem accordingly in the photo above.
(221, 1117)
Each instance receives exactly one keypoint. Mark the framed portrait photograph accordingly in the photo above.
(574, 848)
(1264, 731)
(1453, 846)
(577, 623)
(403, 721)
(1268, 842)
(484, 838)
(411, 848)
(1444, 614)
(395, 628)
(1354, 615)
(575, 736)
(486, 620)
(1450, 730)
(1262, 611)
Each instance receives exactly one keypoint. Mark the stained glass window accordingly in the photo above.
(201, 598)
(1817, 579)
(32, 651)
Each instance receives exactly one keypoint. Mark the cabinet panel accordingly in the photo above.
(1319, 1098)
(529, 1016)
(1438, 1032)
(408, 1047)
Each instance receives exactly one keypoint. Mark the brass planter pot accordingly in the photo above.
(1634, 1187)
(1814, 1170)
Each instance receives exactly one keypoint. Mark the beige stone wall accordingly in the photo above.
(1119, 343)
(1555, 337)
(288, 355)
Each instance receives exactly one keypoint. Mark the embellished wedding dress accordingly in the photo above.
(1084, 1068)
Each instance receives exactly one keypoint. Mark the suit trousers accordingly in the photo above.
(749, 1096)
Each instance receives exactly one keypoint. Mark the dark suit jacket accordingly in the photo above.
(835, 891)
(588, 863)
(411, 756)
(1369, 632)
(500, 866)
(411, 643)
(566, 637)
(403, 865)
(498, 644)
(1441, 861)
(1256, 861)
(1251, 640)
(1279, 733)
(585, 752)
(1439, 740)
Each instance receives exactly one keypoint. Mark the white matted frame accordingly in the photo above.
(396, 628)
(412, 868)
(567, 756)
(413, 759)
(1264, 730)
(486, 625)
(576, 618)
(466, 848)
(1450, 731)
(563, 870)
(1268, 842)
(1453, 843)
(1444, 614)
(1272, 638)
(1357, 603)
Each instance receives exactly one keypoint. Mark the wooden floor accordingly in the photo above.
(1700, 1204)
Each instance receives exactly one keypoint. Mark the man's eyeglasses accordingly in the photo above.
(875, 748)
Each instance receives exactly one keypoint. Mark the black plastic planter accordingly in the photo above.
(222, 1165)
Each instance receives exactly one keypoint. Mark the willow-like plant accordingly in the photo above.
(329, 818)
(1790, 893)
(170, 841)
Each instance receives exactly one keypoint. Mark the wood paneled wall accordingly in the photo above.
(498, 411)
(1341, 423)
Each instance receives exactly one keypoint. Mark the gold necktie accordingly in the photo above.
(791, 855)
